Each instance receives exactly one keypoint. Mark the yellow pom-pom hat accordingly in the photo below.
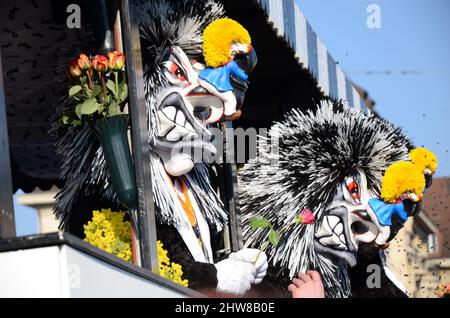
(218, 38)
(424, 159)
(402, 178)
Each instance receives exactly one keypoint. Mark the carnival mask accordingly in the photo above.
(184, 111)
(348, 221)
(357, 215)
(329, 161)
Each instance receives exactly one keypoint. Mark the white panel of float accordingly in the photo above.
(63, 271)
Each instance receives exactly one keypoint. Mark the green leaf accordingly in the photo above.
(89, 107)
(123, 81)
(260, 223)
(113, 111)
(101, 108)
(274, 237)
(96, 90)
(124, 93)
(65, 119)
(112, 87)
(78, 111)
(74, 90)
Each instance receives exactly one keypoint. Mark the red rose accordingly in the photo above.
(306, 217)
(84, 62)
(100, 63)
(116, 60)
(73, 70)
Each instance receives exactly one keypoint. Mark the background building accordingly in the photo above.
(420, 253)
(43, 202)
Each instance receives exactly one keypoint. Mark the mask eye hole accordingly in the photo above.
(177, 71)
(353, 188)
(180, 74)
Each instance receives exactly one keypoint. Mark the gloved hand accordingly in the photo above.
(234, 277)
(255, 257)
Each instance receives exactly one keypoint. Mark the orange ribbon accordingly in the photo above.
(186, 203)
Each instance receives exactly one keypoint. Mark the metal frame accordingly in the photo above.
(230, 192)
(102, 26)
(7, 224)
(140, 128)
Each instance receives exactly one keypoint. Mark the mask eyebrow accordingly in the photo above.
(356, 175)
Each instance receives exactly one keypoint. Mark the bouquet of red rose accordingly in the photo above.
(99, 90)
(98, 87)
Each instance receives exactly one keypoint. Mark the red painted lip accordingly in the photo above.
(200, 95)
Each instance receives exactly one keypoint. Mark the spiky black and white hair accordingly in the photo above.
(166, 23)
(316, 151)
(163, 24)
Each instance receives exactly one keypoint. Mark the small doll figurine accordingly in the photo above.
(402, 190)
(223, 39)
(402, 181)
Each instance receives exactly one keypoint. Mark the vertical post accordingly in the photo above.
(7, 224)
(140, 128)
(231, 188)
(102, 27)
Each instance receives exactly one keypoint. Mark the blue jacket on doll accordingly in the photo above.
(220, 77)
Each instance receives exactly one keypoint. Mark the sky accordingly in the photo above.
(414, 36)
(26, 218)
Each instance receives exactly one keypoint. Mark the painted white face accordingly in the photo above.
(183, 111)
(349, 221)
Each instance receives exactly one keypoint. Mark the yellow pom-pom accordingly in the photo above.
(217, 39)
(400, 178)
(423, 159)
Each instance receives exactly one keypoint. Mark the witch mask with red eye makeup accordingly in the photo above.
(183, 111)
(177, 71)
(349, 221)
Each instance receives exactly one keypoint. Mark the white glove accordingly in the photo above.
(252, 255)
(234, 277)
